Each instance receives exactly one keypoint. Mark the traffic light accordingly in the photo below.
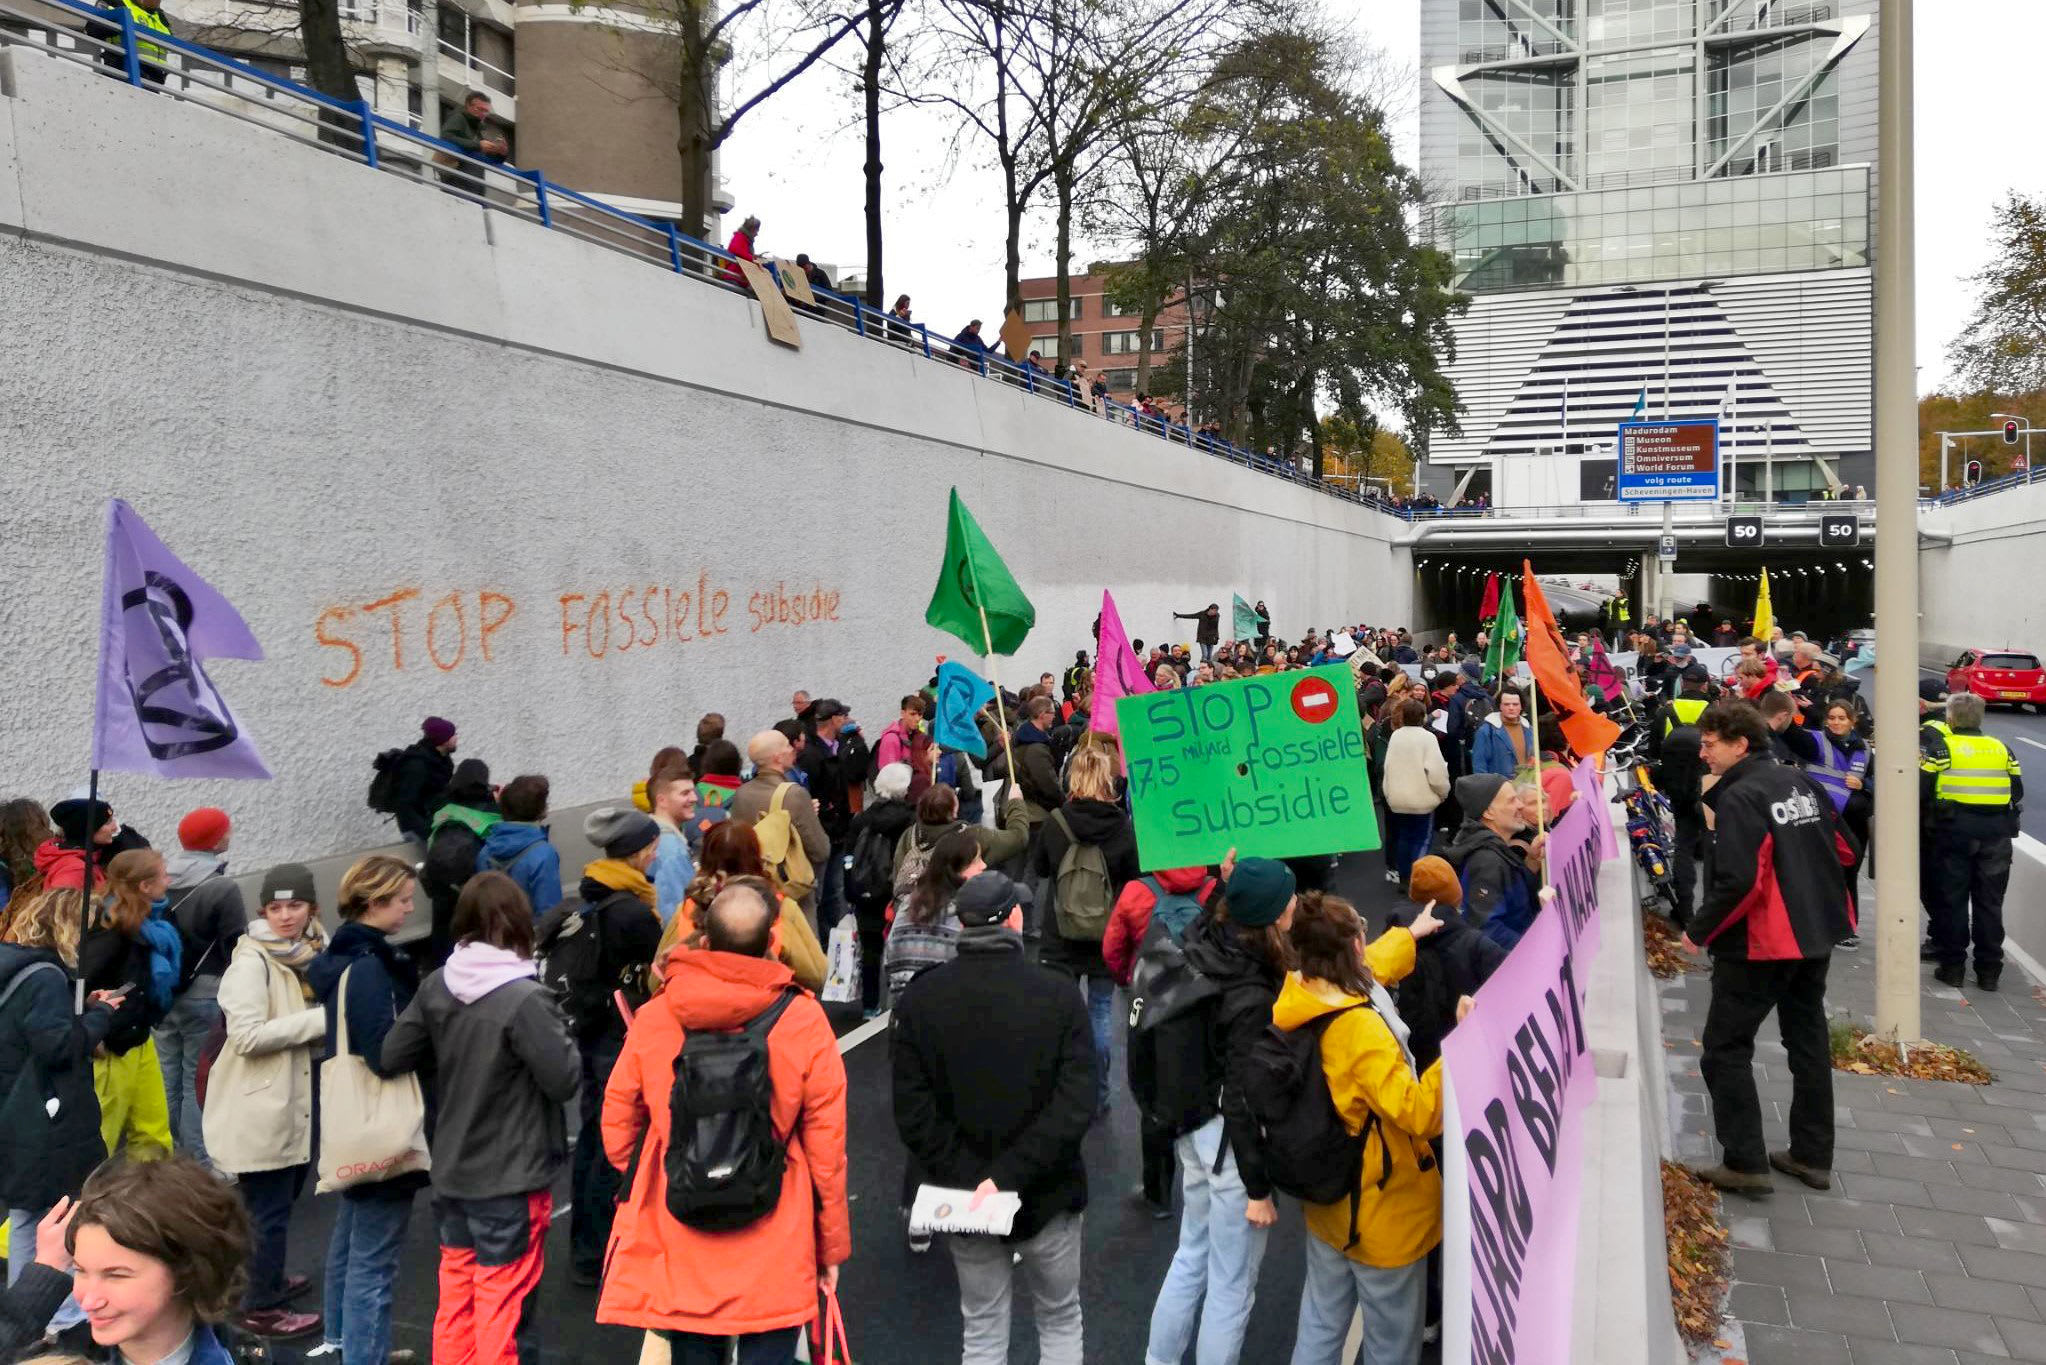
(2010, 433)
(1974, 471)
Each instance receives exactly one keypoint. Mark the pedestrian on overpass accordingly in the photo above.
(1774, 906)
(1971, 783)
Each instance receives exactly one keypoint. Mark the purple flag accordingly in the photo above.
(156, 710)
(1116, 670)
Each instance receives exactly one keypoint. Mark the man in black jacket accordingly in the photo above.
(834, 763)
(1208, 631)
(994, 1091)
(424, 771)
(1775, 903)
(1679, 775)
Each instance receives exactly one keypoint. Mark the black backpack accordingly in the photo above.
(450, 858)
(871, 878)
(570, 941)
(1308, 1152)
(1174, 1069)
(1681, 772)
(1471, 714)
(383, 781)
(725, 1161)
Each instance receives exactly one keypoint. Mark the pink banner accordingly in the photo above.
(1520, 1077)
(1116, 670)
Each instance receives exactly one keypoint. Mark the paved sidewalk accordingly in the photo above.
(1930, 1249)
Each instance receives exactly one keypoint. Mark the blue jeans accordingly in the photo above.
(1407, 839)
(1219, 1253)
(178, 1040)
(362, 1266)
(21, 1249)
(1393, 1302)
(1101, 1014)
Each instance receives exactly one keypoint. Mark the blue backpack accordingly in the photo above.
(166, 957)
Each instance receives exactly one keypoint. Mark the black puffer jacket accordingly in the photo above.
(1215, 949)
(1102, 823)
(43, 1162)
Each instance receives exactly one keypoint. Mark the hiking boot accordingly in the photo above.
(277, 1322)
(1988, 977)
(1818, 1177)
(1955, 975)
(1724, 1177)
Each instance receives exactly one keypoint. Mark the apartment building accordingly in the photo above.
(1105, 337)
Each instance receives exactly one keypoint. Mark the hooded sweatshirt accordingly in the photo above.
(210, 915)
(521, 852)
(505, 1067)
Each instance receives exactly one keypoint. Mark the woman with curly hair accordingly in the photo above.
(732, 850)
(24, 827)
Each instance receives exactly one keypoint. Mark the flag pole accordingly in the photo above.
(1534, 720)
(85, 885)
(988, 642)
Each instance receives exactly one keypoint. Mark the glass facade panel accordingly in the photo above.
(1747, 226)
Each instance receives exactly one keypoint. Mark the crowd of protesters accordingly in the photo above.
(651, 1024)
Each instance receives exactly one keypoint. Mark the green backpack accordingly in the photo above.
(1085, 895)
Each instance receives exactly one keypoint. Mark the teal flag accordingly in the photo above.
(961, 694)
(1246, 620)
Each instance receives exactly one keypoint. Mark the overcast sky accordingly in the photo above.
(796, 162)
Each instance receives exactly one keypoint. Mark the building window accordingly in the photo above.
(1129, 343)
(1120, 381)
(1047, 310)
(1047, 348)
(1111, 309)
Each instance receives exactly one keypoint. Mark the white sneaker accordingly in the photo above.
(1392, 876)
(325, 1348)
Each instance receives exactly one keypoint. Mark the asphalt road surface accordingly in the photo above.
(900, 1308)
(2025, 733)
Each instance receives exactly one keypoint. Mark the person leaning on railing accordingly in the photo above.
(468, 129)
(148, 15)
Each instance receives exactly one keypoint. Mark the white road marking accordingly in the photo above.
(2022, 739)
(878, 1024)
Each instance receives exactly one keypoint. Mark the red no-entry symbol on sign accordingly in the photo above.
(1314, 700)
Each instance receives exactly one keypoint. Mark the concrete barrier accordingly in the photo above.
(1622, 1314)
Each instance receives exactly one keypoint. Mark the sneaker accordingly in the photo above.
(277, 1322)
(1955, 976)
(919, 1242)
(403, 1358)
(325, 1348)
(1818, 1177)
(1988, 978)
(1724, 1177)
(1849, 944)
(1392, 876)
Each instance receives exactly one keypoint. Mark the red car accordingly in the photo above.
(1999, 675)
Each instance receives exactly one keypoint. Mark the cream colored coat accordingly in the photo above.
(259, 1098)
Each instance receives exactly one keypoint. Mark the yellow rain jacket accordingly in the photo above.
(1401, 1222)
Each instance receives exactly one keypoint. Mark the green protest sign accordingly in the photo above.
(1271, 766)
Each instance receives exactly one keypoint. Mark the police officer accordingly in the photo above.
(1971, 783)
(1679, 774)
(148, 17)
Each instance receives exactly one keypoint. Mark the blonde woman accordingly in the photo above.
(369, 1223)
(133, 949)
(42, 1165)
(259, 1111)
(1072, 933)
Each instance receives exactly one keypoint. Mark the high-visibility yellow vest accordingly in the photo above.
(1976, 771)
(149, 19)
(1683, 711)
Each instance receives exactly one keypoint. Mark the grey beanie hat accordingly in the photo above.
(620, 830)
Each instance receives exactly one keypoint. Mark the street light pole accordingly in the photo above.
(1896, 549)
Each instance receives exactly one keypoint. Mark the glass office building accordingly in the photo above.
(1662, 206)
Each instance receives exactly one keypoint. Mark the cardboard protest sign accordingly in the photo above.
(1271, 766)
(774, 309)
(795, 284)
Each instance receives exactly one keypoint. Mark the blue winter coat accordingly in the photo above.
(1492, 751)
(522, 852)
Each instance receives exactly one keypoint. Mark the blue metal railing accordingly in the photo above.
(2016, 479)
(351, 128)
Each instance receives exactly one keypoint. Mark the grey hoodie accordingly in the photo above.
(210, 916)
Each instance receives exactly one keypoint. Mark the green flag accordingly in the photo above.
(1502, 655)
(1246, 620)
(973, 577)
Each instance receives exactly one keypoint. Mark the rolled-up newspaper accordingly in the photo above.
(941, 1210)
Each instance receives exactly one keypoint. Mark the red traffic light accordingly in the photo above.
(2010, 433)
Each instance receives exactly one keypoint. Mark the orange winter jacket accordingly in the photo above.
(665, 1276)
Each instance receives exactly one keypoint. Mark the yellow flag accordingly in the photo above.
(1765, 618)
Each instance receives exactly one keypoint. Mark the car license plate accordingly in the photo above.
(2013, 696)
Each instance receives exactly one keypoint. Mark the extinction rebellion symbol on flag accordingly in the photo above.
(176, 704)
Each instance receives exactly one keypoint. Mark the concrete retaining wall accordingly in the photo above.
(1976, 593)
(451, 463)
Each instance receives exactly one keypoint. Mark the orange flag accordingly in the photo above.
(1588, 732)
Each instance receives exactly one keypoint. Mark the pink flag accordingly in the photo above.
(1116, 670)
(1601, 671)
